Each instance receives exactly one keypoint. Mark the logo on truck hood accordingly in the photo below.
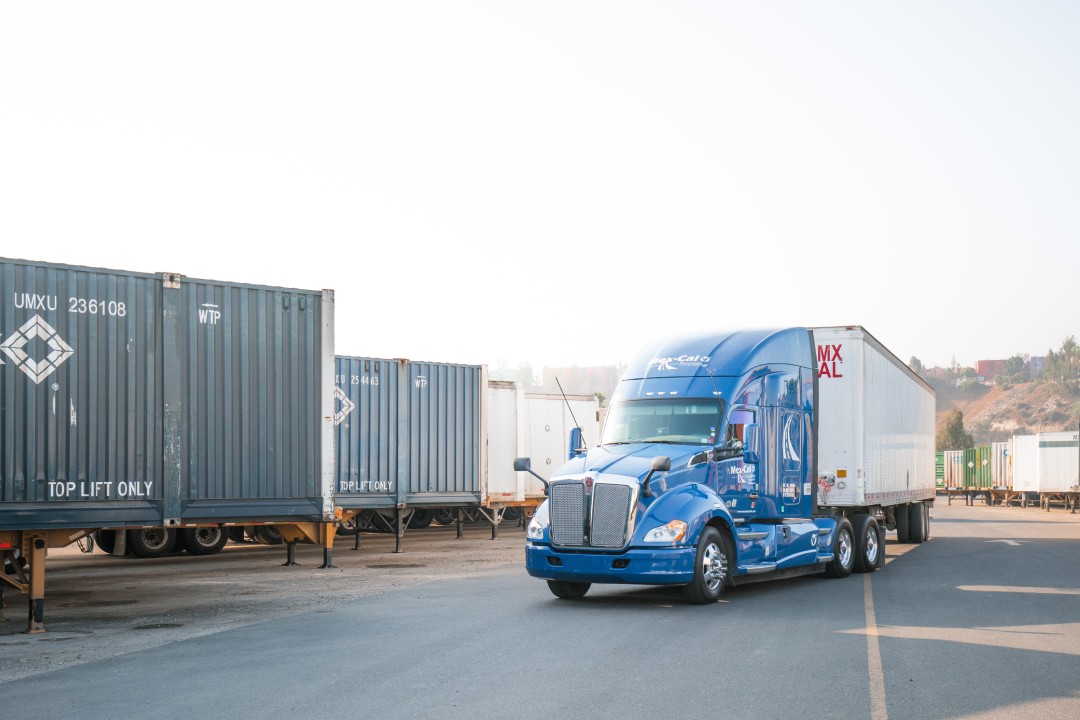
(682, 361)
(36, 370)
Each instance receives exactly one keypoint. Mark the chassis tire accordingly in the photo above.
(106, 540)
(204, 540)
(267, 535)
(443, 516)
(918, 523)
(867, 543)
(843, 547)
(566, 590)
(902, 515)
(712, 568)
(421, 519)
(152, 542)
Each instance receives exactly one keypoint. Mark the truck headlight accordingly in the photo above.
(536, 530)
(671, 532)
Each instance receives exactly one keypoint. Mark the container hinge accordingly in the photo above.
(171, 281)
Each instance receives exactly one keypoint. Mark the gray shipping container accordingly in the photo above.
(409, 433)
(131, 399)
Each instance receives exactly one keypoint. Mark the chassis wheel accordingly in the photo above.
(712, 568)
(567, 590)
(867, 542)
(152, 542)
(843, 548)
(903, 533)
(919, 523)
(204, 540)
(420, 519)
(106, 540)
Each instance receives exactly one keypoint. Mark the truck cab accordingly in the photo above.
(704, 478)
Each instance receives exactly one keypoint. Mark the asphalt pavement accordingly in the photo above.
(981, 621)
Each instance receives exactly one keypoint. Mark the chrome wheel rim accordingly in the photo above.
(713, 566)
(843, 547)
(871, 545)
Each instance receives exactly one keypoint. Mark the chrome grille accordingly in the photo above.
(610, 513)
(568, 513)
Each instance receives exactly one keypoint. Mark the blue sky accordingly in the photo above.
(558, 182)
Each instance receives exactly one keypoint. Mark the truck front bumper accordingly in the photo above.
(637, 566)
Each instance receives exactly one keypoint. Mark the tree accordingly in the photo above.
(1014, 372)
(951, 435)
(1062, 369)
(916, 364)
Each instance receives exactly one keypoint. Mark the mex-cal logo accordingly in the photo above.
(829, 361)
(37, 370)
(682, 361)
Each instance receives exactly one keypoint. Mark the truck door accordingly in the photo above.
(737, 480)
(794, 500)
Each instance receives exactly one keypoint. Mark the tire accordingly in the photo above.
(712, 568)
(420, 519)
(843, 550)
(918, 523)
(152, 542)
(902, 512)
(267, 535)
(237, 533)
(204, 540)
(106, 540)
(347, 527)
(443, 516)
(566, 590)
(867, 543)
(988, 499)
(512, 514)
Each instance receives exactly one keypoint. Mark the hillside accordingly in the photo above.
(993, 413)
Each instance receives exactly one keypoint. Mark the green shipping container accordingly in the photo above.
(978, 470)
(939, 470)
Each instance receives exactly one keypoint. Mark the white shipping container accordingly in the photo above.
(1025, 449)
(1059, 462)
(533, 425)
(954, 468)
(875, 423)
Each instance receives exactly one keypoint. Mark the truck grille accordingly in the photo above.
(610, 514)
(568, 513)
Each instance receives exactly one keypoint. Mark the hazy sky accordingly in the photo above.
(557, 182)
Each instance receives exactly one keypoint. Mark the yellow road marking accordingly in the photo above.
(878, 711)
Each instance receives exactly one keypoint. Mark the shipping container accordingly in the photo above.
(939, 471)
(954, 469)
(134, 399)
(1001, 466)
(409, 434)
(158, 402)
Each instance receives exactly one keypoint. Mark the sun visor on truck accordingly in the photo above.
(723, 353)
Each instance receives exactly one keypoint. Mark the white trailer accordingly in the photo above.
(536, 425)
(1047, 465)
(875, 432)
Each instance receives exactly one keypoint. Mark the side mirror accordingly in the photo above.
(576, 443)
(524, 464)
(751, 446)
(661, 463)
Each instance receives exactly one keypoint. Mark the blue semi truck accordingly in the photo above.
(742, 456)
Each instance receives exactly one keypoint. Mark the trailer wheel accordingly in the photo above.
(918, 523)
(712, 571)
(843, 548)
(152, 542)
(204, 540)
(567, 590)
(903, 534)
(443, 516)
(420, 519)
(267, 535)
(988, 498)
(106, 540)
(867, 545)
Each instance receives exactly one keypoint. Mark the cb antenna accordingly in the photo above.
(582, 432)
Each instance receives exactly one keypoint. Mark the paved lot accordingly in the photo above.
(963, 626)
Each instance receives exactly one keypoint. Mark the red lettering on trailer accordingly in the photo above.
(829, 356)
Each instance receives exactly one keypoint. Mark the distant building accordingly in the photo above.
(989, 369)
(1035, 366)
(938, 373)
(970, 379)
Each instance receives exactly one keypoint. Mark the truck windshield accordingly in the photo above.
(689, 422)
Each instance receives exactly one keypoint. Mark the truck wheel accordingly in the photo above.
(843, 547)
(152, 542)
(444, 517)
(917, 521)
(568, 590)
(204, 540)
(903, 534)
(420, 519)
(867, 546)
(712, 568)
(267, 535)
(106, 540)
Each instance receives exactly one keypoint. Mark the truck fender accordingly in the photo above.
(697, 505)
